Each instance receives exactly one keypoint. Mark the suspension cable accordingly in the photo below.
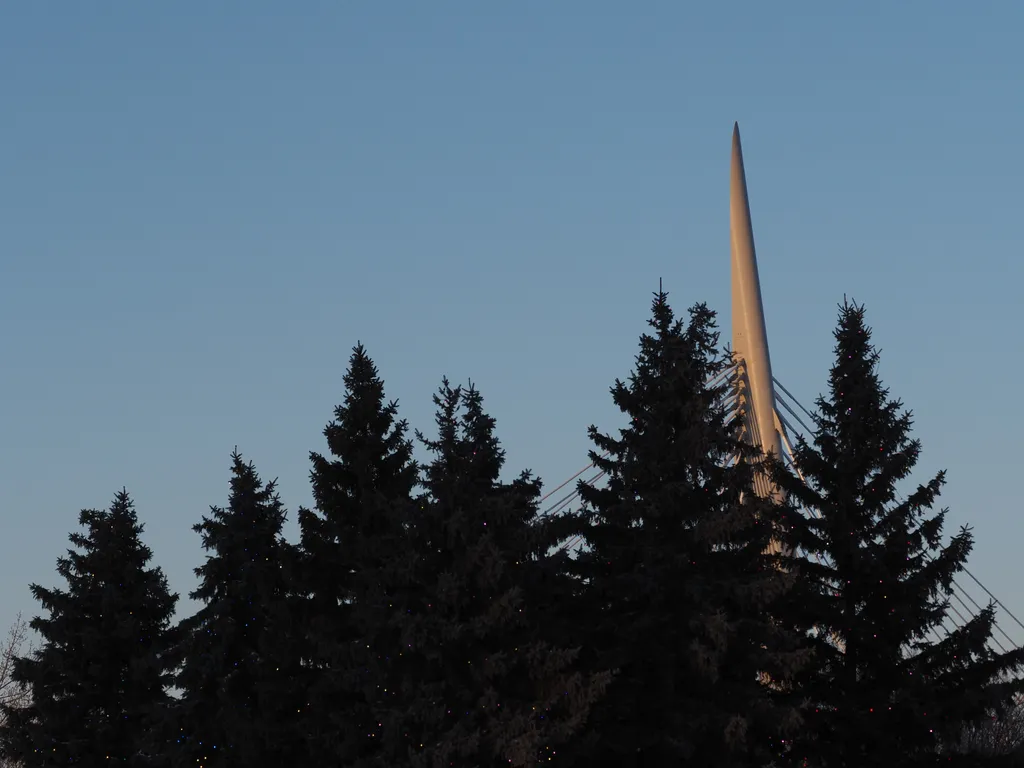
(557, 488)
(793, 398)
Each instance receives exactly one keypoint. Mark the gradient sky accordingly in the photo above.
(203, 206)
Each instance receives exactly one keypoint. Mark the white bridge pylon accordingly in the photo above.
(755, 385)
(756, 400)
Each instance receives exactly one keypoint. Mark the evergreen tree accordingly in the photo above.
(678, 585)
(99, 678)
(240, 704)
(352, 552)
(477, 683)
(886, 691)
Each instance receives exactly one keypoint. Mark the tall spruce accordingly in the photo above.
(677, 587)
(477, 683)
(240, 701)
(100, 676)
(353, 552)
(892, 686)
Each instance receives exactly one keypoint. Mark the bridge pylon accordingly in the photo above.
(755, 395)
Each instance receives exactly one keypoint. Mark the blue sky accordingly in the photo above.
(204, 206)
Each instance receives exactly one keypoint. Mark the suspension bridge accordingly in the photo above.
(772, 417)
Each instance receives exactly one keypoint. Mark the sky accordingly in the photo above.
(204, 206)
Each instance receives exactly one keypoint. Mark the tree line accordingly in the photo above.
(431, 614)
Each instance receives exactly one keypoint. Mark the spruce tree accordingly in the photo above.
(678, 587)
(352, 552)
(477, 683)
(240, 702)
(891, 686)
(100, 676)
